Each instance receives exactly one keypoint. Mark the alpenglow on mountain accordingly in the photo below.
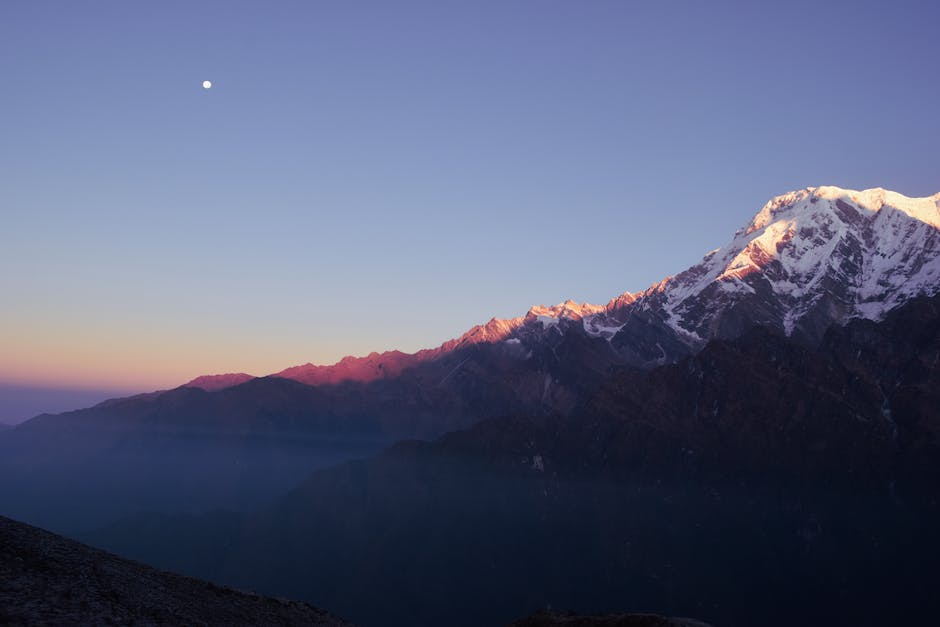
(808, 259)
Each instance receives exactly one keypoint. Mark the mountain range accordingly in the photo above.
(807, 260)
(765, 420)
(757, 482)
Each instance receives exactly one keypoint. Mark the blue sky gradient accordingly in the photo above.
(368, 176)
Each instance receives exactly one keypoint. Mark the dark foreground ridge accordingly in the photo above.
(569, 619)
(46, 579)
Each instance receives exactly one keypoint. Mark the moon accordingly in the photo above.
(206, 84)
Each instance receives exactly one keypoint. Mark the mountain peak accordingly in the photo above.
(213, 382)
(569, 310)
(869, 201)
(809, 258)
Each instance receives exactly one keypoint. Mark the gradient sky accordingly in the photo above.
(368, 176)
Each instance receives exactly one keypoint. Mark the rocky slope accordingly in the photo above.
(859, 410)
(570, 619)
(46, 579)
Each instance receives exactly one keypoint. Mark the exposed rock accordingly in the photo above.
(570, 619)
(46, 579)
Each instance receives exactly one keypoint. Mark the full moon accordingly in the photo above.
(206, 84)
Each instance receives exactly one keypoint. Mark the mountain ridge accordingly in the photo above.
(755, 471)
(773, 245)
(818, 266)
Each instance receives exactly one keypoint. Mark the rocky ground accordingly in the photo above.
(50, 580)
(566, 619)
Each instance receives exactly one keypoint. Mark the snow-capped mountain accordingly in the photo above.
(808, 259)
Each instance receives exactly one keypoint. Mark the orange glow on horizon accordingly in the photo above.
(114, 359)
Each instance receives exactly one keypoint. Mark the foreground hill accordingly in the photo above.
(759, 481)
(568, 619)
(46, 579)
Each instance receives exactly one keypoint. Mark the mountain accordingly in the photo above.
(213, 382)
(759, 481)
(394, 363)
(808, 259)
(49, 580)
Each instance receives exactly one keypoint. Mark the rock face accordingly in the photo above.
(46, 579)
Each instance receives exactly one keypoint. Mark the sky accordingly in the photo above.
(369, 176)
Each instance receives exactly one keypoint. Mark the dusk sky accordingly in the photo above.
(369, 176)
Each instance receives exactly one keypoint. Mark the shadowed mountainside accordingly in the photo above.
(758, 482)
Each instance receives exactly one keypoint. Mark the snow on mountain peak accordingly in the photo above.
(809, 258)
(568, 310)
(870, 201)
(850, 253)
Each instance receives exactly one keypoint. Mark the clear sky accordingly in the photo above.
(368, 176)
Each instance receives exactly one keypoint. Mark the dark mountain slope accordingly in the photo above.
(49, 580)
(758, 482)
(861, 410)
